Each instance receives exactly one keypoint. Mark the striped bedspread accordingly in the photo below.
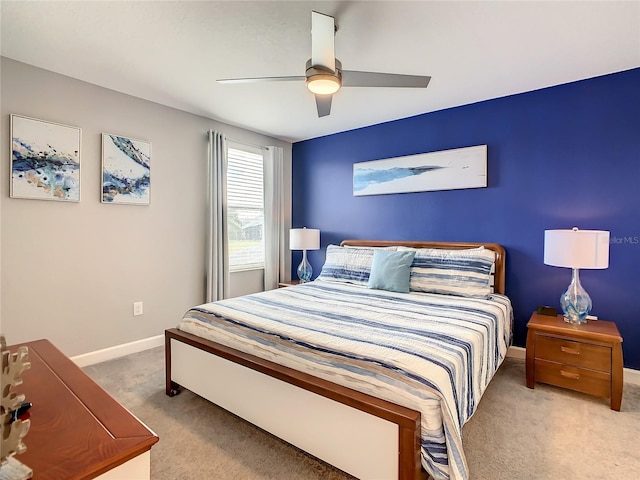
(432, 353)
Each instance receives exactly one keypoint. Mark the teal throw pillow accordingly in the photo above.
(391, 270)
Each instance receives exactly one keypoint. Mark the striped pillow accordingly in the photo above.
(466, 273)
(347, 265)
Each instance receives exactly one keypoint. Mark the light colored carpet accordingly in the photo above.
(516, 433)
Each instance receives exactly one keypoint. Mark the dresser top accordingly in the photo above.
(594, 329)
(77, 429)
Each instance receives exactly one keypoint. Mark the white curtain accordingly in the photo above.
(274, 231)
(217, 259)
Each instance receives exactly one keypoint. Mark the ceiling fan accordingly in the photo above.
(324, 74)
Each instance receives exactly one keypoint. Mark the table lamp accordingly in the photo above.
(576, 249)
(304, 239)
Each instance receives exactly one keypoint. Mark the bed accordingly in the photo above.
(374, 381)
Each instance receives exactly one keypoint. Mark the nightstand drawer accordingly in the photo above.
(574, 378)
(595, 357)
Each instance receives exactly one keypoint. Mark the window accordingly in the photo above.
(245, 202)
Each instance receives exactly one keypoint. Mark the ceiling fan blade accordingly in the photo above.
(352, 78)
(323, 52)
(262, 79)
(323, 102)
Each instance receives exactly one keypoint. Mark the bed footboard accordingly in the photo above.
(360, 434)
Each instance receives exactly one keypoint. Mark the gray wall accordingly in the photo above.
(71, 271)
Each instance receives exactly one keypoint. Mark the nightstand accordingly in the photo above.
(289, 283)
(586, 358)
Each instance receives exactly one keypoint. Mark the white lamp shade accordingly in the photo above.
(304, 239)
(576, 248)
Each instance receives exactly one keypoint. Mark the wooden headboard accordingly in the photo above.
(499, 276)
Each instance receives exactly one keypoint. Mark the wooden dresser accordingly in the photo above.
(586, 358)
(78, 431)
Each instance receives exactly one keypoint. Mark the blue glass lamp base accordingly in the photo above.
(575, 301)
(304, 269)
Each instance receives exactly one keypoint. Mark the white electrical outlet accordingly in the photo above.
(137, 309)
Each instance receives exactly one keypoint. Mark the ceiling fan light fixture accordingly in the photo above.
(323, 84)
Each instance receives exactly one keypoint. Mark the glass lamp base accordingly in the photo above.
(576, 320)
(304, 269)
(575, 302)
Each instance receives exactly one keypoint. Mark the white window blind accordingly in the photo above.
(245, 201)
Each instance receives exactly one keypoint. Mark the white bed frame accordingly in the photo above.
(367, 437)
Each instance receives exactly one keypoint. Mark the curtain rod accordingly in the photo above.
(246, 143)
(242, 141)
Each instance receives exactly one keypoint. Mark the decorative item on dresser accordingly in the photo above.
(586, 358)
(304, 239)
(14, 425)
(576, 249)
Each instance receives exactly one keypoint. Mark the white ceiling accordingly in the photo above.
(173, 52)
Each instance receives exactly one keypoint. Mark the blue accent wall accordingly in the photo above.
(559, 157)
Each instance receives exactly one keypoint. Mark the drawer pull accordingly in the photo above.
(570, 351)
(575, 376)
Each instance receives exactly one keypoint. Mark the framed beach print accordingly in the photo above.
(45, 160)
(444, 170)
(126, 167)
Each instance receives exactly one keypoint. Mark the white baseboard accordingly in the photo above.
(517, 352)
(117, 351)
(630, 375)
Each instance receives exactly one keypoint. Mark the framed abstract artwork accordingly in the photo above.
(45, 160)
(126, 167)
(444, 170)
